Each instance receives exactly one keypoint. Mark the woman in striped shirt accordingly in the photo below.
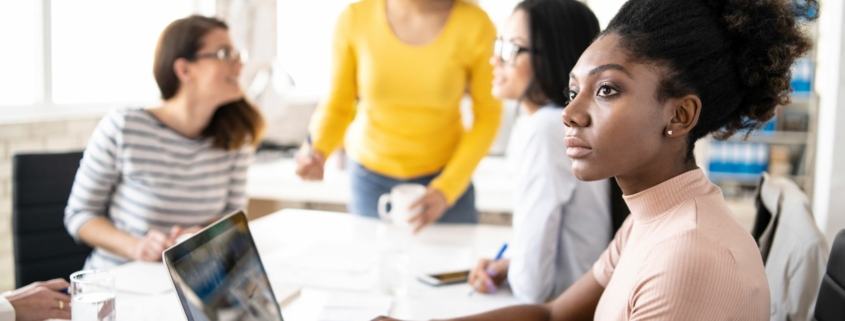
(151, 175)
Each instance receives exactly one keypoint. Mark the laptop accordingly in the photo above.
(218, 274)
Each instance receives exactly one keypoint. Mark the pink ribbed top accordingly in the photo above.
(681, 255)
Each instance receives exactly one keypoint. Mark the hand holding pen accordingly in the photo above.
(310, 163)
(488, 275)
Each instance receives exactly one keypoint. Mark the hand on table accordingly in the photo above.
(487, 276)
(433, 205)
(176, 231)
(41, 300)
(150, 247)
(310, 167)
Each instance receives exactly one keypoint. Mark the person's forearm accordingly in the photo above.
(100, 232)
(473, 147)
(520, 312)
(578, 303)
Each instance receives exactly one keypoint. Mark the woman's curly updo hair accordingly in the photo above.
(735, 55)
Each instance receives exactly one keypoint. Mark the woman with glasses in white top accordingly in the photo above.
(561, 224)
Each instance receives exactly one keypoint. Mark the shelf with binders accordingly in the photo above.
(740, 160)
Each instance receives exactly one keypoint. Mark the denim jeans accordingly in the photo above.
(368, 186)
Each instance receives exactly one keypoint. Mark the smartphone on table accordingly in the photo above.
(439, 279)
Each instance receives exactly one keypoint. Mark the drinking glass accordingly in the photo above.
(92, 296)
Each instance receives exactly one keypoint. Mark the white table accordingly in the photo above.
(438, 248)
(277, 180)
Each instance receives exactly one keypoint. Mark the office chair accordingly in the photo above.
(41, 185)
(830, 305)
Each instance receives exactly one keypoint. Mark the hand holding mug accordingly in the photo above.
(432, 205)
(401, 200)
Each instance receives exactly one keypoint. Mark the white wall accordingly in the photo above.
(605, 9)
(829, 188)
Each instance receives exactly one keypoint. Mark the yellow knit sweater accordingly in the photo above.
(404, 99)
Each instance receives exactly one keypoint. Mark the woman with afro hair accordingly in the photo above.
(664, 74)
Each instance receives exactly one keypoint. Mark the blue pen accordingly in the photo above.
(310, 147)
(501, 252)
(489, 271)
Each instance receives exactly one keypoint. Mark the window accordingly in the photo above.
(83, 52)
(20, 57)
(305, 30)
(103, 50)
(605, 10)
(498, 10)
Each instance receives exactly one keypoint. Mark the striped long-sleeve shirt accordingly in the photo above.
(142, 176)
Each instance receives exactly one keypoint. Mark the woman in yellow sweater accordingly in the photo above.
(400, 70)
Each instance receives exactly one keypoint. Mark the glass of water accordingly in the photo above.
(92, 296)
(394, 259)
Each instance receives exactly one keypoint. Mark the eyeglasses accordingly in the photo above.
(507, 51)
(227, 55)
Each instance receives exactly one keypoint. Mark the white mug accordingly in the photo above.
(400, 198)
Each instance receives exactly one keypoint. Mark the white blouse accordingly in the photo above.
(561, 225)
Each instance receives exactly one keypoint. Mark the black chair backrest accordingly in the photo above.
(41, 186)
(830, 305)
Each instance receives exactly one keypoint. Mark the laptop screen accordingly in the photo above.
(218, 274)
